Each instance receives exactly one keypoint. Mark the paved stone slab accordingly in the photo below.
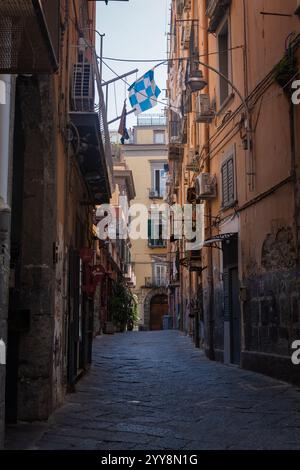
(154, 390)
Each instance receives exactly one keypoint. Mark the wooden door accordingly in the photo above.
(159, 308)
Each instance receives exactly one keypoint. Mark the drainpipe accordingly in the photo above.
(293, 133)
(208, 219)
(5, 220)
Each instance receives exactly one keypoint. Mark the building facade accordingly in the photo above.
(146, 156)
(56, 168)
(234, 150)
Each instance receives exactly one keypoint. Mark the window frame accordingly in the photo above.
(158, 167)
(159, 132)
(230, 156)
(222, 24)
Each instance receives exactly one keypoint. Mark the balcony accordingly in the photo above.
(129, 275)
(215, 10)
(154, 194)
(176, 137)
(159, 243)
(154, 282)
(152, 120)
(29, 36)
(89, 128)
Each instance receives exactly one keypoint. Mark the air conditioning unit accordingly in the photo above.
(192, 160)
(83, 87)
(186, 35)
(206, 187)
(204, 113)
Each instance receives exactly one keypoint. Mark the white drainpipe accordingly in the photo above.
(5, 121)
(6, 124)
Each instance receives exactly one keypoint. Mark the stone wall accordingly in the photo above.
(38, 237)
(4, 276)
(271, 310)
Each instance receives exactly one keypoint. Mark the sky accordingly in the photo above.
(133, 30)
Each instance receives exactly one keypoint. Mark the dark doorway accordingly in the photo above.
(232, 311)
(158, 308)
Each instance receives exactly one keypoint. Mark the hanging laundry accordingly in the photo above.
(143, 93)
(122, 128)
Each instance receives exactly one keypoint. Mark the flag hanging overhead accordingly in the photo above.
(143, 93)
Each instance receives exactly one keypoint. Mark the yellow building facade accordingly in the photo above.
(146, 156)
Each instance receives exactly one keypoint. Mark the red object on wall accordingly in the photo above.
(98, 272)
(89, 289)
(86, 254)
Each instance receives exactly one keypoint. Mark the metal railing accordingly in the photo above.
(85, 75)
(154, 281)
(154, 194)
(159, 243)
(152, 120)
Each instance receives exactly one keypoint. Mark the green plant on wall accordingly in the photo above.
(285, 71)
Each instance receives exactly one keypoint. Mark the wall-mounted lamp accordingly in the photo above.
(196, 81)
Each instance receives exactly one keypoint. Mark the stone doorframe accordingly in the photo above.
(147, 304)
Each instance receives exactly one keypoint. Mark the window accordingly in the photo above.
(228, 182)
(159, 179)
(160, 274)
(159, 137)
(223, 46)
(157, 230)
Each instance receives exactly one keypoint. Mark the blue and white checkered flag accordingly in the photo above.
(143, 93)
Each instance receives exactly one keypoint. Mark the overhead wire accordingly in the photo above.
(115, 59)
(140, 92)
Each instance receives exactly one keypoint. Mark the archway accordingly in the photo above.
(158, 308)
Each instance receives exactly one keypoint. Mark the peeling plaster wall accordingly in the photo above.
(271, 309)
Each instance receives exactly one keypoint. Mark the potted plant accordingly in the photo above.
(133, 313)
(122, 307)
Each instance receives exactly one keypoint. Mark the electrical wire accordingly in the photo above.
(142, 94)
(115, 95)
(163, 61)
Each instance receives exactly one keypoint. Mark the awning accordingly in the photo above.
(220, 238)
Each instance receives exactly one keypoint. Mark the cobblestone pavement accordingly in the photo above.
(154, 390)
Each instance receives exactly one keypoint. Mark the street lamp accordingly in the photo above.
(196, 81)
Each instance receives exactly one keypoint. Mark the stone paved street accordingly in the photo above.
(153, 390)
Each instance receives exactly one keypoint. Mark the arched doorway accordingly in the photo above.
(158, 308)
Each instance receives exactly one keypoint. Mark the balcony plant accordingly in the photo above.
(285, 71)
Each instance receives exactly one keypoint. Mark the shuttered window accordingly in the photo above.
(228, 182)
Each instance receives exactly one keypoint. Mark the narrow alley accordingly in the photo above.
(151, 390)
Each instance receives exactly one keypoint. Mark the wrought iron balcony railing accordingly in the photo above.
(159, 243)
(154, 281)
(154, 194)
(152, 120)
